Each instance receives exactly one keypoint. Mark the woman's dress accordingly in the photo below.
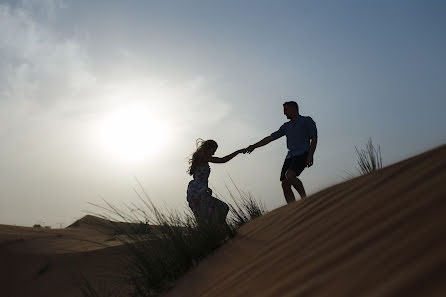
(203, 205)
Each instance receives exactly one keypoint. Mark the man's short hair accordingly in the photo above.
(293, 104)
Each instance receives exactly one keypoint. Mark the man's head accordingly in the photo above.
(291, 110)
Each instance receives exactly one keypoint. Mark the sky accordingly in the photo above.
(96, 96)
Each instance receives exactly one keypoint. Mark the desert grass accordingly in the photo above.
(244, 207)
(162, 245)
(369, 159)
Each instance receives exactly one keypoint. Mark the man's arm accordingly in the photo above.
(262, 142)
(313, 145)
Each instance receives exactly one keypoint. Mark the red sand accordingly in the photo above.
(383, 234)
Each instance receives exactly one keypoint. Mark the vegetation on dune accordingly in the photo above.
(368, 159)
(163, 245)
(245, 206)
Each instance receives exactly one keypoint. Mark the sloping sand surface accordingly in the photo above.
(44, 262)
(383, 234)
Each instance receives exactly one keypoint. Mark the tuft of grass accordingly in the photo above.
(369, 159)
(244, 208)
(161, 246)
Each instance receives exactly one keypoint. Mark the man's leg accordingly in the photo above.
(297, 184)
(287, 191)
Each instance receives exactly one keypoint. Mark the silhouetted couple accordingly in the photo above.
(301, 134)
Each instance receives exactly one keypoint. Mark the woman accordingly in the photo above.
(206, 208)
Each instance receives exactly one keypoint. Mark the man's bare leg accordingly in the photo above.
(297, 184)
(287, 191)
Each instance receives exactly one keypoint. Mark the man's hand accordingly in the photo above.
(309, 160)
(262, 142)
(250, 148)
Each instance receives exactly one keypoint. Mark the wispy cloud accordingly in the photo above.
(45, 8)
(38, 65)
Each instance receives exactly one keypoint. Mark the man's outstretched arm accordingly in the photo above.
(262, 142)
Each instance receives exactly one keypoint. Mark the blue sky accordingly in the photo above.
(208, 69)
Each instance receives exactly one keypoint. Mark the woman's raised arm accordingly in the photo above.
(226, 158)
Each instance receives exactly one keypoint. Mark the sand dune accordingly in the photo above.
(383, 234)
(45, 262)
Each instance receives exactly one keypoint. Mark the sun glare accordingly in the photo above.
(133, 133)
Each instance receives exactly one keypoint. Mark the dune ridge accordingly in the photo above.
(382, 234)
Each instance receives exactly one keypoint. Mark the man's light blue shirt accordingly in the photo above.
(298, 134)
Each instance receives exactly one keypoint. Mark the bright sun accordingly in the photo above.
(133, 133)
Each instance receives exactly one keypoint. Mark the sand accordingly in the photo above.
(45, 262)
(382, 234)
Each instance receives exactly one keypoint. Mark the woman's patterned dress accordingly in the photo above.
(203, 205)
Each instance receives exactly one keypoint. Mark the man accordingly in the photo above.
(301, 134)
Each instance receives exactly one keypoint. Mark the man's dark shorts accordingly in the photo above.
(295, 163)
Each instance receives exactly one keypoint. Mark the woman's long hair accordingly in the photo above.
(197, 156)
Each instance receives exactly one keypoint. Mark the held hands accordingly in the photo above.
(248, 150)
(242, 151)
